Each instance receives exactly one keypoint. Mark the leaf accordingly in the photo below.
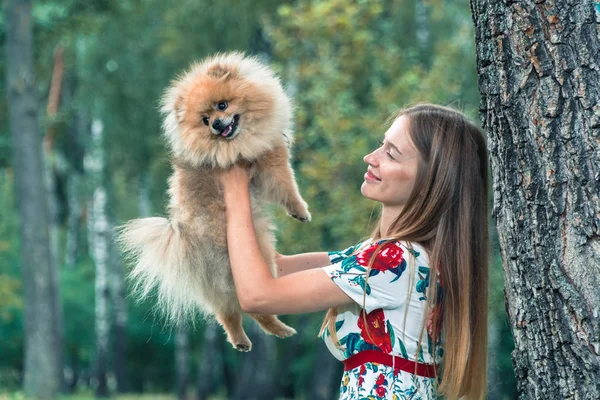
(398, 270)
(403, 349)
(362, 346)
(338, 325)
(351, 341)
(373, 272)
(390, 329)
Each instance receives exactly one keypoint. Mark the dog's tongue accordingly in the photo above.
(227, 130)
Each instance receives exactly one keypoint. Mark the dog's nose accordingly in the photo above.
(218, 125)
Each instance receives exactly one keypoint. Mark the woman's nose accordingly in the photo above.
(371, 158)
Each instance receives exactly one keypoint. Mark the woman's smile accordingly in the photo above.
(370, 177)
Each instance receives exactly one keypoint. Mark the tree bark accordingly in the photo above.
(99, 231)
(182, 361)
(255, 378)
(78, 130)
(326, 377)
(42, 361)
(539, 78)
(119, 344)
(210, 362)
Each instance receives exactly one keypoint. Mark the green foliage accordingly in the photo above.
(348, 65)
(11, 295)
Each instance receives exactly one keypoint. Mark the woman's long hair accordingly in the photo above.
(447, 213)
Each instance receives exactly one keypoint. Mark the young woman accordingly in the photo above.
(408, 307)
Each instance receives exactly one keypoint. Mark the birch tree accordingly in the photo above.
(99, 231)
(539, 77)
(42, 359)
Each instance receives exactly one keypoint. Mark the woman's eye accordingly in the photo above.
(381, 144)
(205, 120)
(222, 106)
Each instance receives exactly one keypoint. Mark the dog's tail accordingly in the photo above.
(161, 256)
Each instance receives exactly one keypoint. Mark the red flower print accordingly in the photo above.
(380, 380)
(380, 391)
(376, 334)
(361, 380)
(363, 369)
(389, 257)
(436, 314)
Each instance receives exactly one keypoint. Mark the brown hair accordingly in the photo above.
(447, 213)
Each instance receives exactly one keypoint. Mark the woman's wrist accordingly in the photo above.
(236, 198)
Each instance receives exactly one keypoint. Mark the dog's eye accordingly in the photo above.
(205, 120)
(222, 106)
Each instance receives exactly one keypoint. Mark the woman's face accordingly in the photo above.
(392, 167)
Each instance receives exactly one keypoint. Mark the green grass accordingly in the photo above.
(90, 396)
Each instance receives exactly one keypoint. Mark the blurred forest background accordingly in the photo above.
(101, 66)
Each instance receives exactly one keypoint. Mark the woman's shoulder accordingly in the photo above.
(399, 248)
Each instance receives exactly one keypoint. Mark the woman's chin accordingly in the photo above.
(364, 190)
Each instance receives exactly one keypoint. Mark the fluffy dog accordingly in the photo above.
(227, 109)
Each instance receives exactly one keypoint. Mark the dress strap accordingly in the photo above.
(398, 363)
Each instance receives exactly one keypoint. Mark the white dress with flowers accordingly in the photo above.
(394, 298)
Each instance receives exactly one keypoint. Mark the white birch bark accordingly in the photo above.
(99, 237)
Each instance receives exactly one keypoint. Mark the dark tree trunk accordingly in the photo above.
(539, 77)
(79, 128)
(327, 372)
(210, 362)
(182, 361)
(119, 342)
(255, 379)
(42, 343)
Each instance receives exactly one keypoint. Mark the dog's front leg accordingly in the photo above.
(275, 177)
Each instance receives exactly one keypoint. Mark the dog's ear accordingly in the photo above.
(179, 109)
(220, 72)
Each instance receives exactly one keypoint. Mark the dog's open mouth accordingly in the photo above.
(231, 129)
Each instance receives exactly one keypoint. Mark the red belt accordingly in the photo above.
(398, 363)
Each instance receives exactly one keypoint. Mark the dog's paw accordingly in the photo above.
(284, 331)
(302, 218)
(245, 347)
(299, 210)
(300, 213)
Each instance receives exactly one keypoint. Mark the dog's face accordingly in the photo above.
(224, 109)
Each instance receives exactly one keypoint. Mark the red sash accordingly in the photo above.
(398, 363)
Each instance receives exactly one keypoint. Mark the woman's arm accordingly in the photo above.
(300, 262)
(258, 292)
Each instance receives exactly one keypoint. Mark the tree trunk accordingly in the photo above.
(182, 361)
(42, 361)
(210, 363)
(119, 346)
(99, 231)
(539, 77)
(78, 130)
(327, 373)
(255, 378)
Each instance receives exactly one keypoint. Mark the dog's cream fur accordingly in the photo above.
(186, 256)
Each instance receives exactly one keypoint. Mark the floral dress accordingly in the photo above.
(394, 298)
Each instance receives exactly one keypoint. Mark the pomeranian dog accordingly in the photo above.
(227, 109)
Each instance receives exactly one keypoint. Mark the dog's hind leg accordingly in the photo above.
(272, 325)
(232, 323)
